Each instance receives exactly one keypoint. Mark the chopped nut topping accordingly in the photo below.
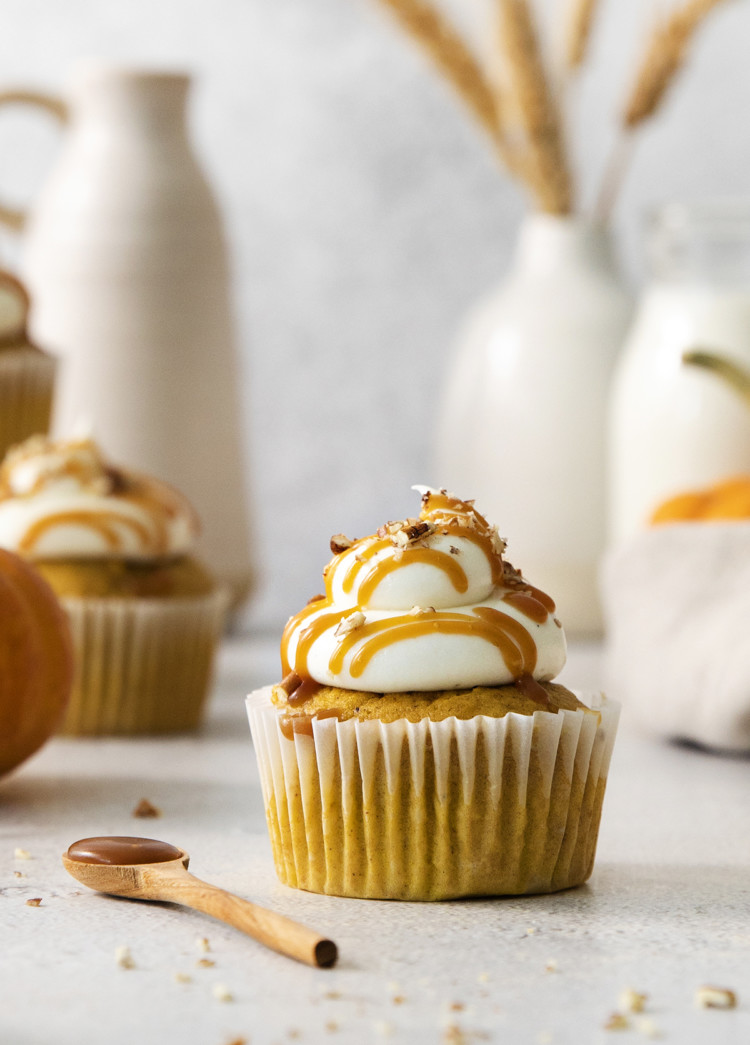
(499, 544)
(351, 623)
(182, 977)
(551, 965)
(221, 992)
(617, 1021)
(123, 958)
(290, 683)
(454, 550)
(632, 1001)
(35, 901)
(22, 854)
(201, 942)
(18, 874)
(421, 611)
(205, 963)
(145, 809)
(708, 997)
(408, 532)
(340, 543)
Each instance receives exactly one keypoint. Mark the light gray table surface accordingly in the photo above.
(666, 911)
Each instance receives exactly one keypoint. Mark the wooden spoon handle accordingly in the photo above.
(274, 930)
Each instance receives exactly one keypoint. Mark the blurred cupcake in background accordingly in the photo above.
(116, 548)
(27, 374)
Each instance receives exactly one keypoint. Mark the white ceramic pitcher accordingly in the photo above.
(125, 259)
(523, 423)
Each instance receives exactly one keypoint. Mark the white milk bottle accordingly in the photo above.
(675, 426)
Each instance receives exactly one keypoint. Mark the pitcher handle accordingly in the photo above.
(15, 218)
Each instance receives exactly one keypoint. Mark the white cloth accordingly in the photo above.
(677, 606)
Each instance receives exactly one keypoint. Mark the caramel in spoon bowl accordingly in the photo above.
(147, 869)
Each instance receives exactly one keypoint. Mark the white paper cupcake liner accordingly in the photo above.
(432, 810)
(27, 379)
(142, 665)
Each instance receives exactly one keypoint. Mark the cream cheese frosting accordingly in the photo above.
(62, 500)
(427, 603)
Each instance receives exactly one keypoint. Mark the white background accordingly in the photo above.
(365, 214)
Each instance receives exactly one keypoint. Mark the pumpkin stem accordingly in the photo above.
(723, 367)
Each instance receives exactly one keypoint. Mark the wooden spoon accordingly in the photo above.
(146, 869)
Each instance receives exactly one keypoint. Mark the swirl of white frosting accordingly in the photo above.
(61, 500)
(425, 604)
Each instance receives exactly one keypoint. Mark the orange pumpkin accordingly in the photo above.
(728, 499)
(36, 661)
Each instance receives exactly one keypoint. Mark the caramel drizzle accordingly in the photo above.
(156, 499)
(356, 563)
(441, 560)
(102, 523)
(507, 635)
(514, 643)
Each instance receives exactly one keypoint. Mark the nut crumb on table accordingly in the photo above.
(632, 1001)
(146, 809)
(648, 1027)
(34, 901)
(124, 958)
(710, 997)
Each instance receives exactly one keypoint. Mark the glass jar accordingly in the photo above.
(675, 426)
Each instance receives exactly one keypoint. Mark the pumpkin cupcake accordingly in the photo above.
(115, 547)
(27, 374)
(417, 747)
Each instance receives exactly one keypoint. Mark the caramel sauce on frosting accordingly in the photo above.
(62, 500)
(424, 604)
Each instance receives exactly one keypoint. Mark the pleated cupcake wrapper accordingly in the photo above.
(142, 665)
(27, 379)
(432, 810)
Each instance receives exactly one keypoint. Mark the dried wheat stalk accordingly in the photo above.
(437, 37)
(578, 32)
(544, 162)
(665, 55)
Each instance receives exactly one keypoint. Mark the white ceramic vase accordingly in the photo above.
(523, 422)
(125, 258)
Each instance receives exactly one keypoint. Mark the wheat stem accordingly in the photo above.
(581, 15)
(445, 47)
(665, 54)
(544, 165)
